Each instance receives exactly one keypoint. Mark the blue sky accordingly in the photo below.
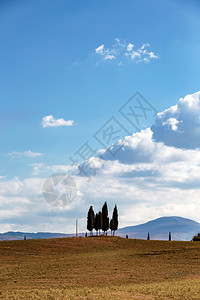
(51, 66)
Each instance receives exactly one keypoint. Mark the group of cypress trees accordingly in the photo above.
(100, 221)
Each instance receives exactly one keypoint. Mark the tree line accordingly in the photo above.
(100, 221)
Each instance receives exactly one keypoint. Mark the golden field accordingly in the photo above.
(99, 268)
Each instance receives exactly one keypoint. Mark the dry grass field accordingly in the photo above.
(99, 268)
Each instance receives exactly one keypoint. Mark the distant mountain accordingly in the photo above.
(182, 229)
(11, 235)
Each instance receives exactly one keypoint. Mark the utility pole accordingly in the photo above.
(76, 227)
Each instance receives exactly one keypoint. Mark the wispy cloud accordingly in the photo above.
(106, 53)
(27, 153)
(123, 52)
(130, 47)
(49, 121)
(100, 50)
(41, 168)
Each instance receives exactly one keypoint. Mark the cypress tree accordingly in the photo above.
(105, 218)
(112, 226)
(96, 223)
(115, 219)
(170, 236)
(148, 236)
(90, 220)
(100, 222)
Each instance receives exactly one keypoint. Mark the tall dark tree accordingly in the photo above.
(90, 220)
(100, 222)
(148, 236)
(112, 226)
(115, 219)
(105, 218)
(96, 223)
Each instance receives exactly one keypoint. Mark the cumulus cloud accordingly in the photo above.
(27, 153)
(172, 123)
(121, 51)
(22, 207)
(142, 191)
(179, 125)
(139, 155)
(148, 175)
(176, 130)
(49, 121)
(147, 178)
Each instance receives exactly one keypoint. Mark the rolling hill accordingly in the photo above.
(182, 229)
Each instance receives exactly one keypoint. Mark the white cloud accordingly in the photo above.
(152, 55)
(49, 121)
(135, 54)
(106, 53)
(37, 168)
(144, 46)
(121, 51)
(147, 179)
(41, 168)
(179, 126)
(27, 153)
(172, 123)
(141, 54)
(22, 207)
(109, 56)
(130, 47)
(100, 49)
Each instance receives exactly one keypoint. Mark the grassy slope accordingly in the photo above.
(97, 268)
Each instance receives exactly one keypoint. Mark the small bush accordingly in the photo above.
(196, 238)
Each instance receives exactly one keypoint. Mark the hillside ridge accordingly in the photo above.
(181, 228)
